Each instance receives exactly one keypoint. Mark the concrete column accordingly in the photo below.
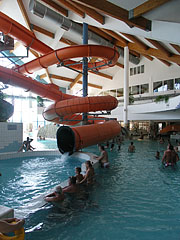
(126, 86)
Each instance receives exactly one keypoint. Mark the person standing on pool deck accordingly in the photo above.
(103, 158)
(131, 148)
(170, 157)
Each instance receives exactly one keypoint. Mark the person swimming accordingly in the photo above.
(103, 158)
(170, 157)
(79, 176)
(72, 186)
(56, 196)
(131, 148)
(89, 176)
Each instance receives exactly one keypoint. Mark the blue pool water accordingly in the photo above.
(45, 144)
(136, 199)
(24, 179)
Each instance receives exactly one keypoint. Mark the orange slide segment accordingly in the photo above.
(76, 138)
(17, 31)
(66, 111)
(109, 56)
(170, 128)
(50, 91)
(79, 105)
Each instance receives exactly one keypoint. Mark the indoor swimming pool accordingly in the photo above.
(135, 199)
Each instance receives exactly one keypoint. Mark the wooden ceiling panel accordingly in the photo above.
(159, 46)
(55, 6)
(146, 7)
(92, 13)
(72, 8)
(117, 12)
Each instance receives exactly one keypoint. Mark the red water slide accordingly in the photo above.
(67, 108)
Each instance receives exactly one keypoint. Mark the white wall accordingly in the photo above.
(11, 136)
(154, 71)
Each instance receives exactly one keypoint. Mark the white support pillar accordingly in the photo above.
(126, 86)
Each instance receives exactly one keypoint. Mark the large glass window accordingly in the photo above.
(177, 83)
(169, 84)
(135, 89)
(158, 86)
(139, 70)
(142, 68)
(144, 88)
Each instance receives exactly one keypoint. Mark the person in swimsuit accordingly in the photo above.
(89, 176)
(79, 176)
(56, 196)
(72, 187)
(131, 148)
(170, 157)
(103, 158)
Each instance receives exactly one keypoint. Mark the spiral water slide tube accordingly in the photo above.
(67, 108)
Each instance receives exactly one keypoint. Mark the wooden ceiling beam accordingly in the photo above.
(119, 65)
(66, 79)
(72, 8)
(136, 40)
(67, 41)
(148, 57)
(92, 13)
(24, 13)
(116, 36)
(71, 80)
(135, 53)
(34, 53)
(176, 47)
(92, 85)
(155, 52)
(77, 78)
(100, 33)
(48, 75)
(25, 16)
(165, 62)
(56, 7)
(146, 7)
(117, 12)
(102, 75)
(42, 76)
(99, 74)
(42, 30)
(159, 46)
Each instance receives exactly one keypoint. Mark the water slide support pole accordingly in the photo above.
(85, 69)
(126, 86)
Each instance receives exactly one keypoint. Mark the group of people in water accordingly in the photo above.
(80, 182)
(77, 183)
